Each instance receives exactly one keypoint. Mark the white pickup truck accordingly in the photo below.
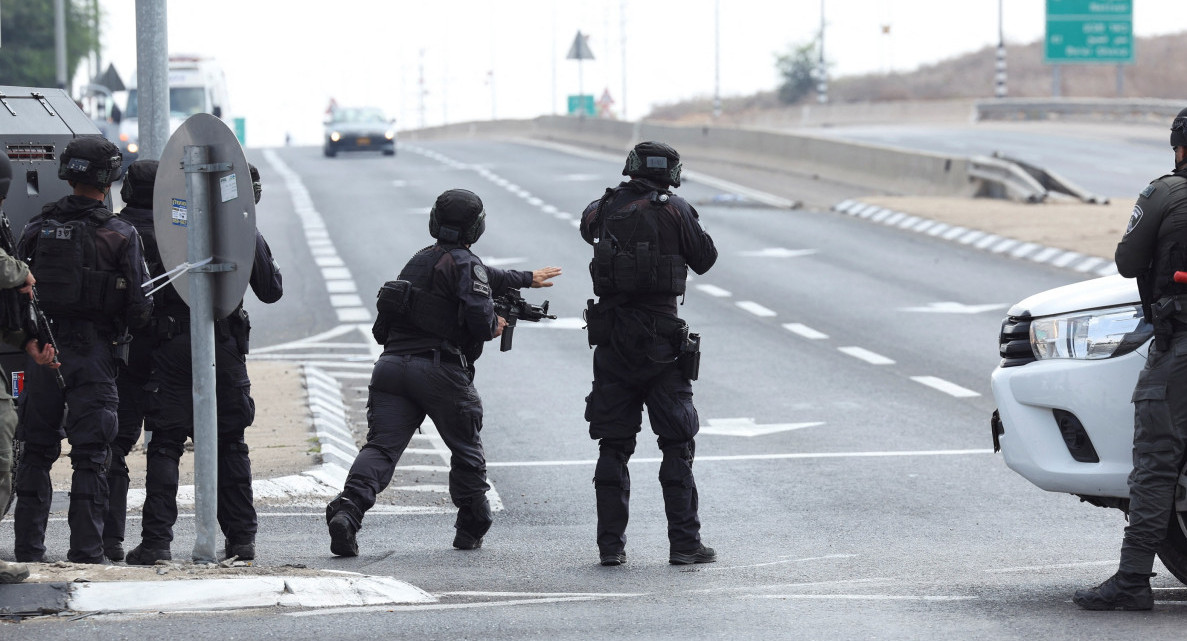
(1064, 420)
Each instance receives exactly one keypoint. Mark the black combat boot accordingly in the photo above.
(1122, 591)
(474, 519)
(141, 555)
(700, 555)
(344, 519)
(245, 551)
(613, 558)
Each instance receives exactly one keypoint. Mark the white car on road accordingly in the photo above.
(1064, 420)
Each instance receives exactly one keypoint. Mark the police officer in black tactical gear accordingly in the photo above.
(133, 380)
(170, 412)
(1152, 250)
(89, 268)
(432, 323)
(645, 239)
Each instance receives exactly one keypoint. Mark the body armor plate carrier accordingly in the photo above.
(627, 258)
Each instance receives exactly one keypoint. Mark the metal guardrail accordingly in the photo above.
(1097, 109)
(1005, 179)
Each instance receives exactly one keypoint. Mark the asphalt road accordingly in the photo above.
(844, 466)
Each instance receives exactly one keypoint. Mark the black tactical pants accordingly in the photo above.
(90, 426)
(1159, 443)
(132, 384)
(614, 410)
(403, 390)
(171, 415)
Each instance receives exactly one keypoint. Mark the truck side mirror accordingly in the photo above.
(218, 111)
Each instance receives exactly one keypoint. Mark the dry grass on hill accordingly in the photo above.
(1159, 72)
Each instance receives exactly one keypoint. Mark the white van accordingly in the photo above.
(196, 85)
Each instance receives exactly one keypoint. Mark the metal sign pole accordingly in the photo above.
(200, 246)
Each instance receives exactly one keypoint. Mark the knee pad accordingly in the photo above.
(611, 469)
(166, 449)
(232, 446)
(39, 455)
(91, 457)
(676, 468)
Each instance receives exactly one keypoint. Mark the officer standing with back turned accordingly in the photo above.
(1152, 250)
(89, 269)
(170, 410)
(645, 239)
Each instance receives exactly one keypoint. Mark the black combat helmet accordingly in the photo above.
(257, 189)
(91, 160)
(1179, 130)
(5, 175)
(457, 217)
(138, 184)
(654, 160)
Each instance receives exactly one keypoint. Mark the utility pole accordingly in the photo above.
(152, 77)
(60, 41)
(716, 59)
(821, 68)
(1000, 90)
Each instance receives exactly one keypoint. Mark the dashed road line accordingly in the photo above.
(755, 308)
(952, 389)
(866, 355)
(804, 331)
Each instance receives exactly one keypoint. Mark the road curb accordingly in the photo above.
(979, 239)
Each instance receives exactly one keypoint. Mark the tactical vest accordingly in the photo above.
(627, 258)
(409, 305)
(69, 284)
(1171, 255)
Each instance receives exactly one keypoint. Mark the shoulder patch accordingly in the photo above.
(1148, 190)
(1134, 218)
(480, 274)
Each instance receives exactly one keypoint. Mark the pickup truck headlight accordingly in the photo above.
(1091, 335)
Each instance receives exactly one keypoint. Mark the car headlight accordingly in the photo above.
(389, 134)
(1091, 335)
(335, 136)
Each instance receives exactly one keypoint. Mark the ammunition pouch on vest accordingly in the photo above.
(627, 258)
(401, 305)
(68, 283)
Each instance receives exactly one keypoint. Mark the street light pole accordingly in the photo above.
(821, 70)
(716, 59)
(1000, 90)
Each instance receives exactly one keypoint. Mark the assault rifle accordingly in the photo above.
(38, 324)
(512, 307)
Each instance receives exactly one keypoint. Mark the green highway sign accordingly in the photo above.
(582, 104)
(1089, 31)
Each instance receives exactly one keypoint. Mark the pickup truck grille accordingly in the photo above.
(1014, 342)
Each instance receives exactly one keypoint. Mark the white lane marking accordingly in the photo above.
(777, 252)
(950, 307)
(714, 290)
(1055, 566)
(346, 300)
(341, 286)
(851, 597)
(866, 355)
(440, 606)
(780, 562)
(755, 308)
(538, 594)
(804, 331)
(1066, 259)
(806, 584)
(748, 428)
(755, 457)
(952, 389)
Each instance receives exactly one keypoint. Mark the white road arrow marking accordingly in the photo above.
(948, 307)
(748, 428)
(778, 252)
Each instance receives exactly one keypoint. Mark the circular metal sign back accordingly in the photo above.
(232, 209)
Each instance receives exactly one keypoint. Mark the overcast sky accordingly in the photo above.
(458, 60)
